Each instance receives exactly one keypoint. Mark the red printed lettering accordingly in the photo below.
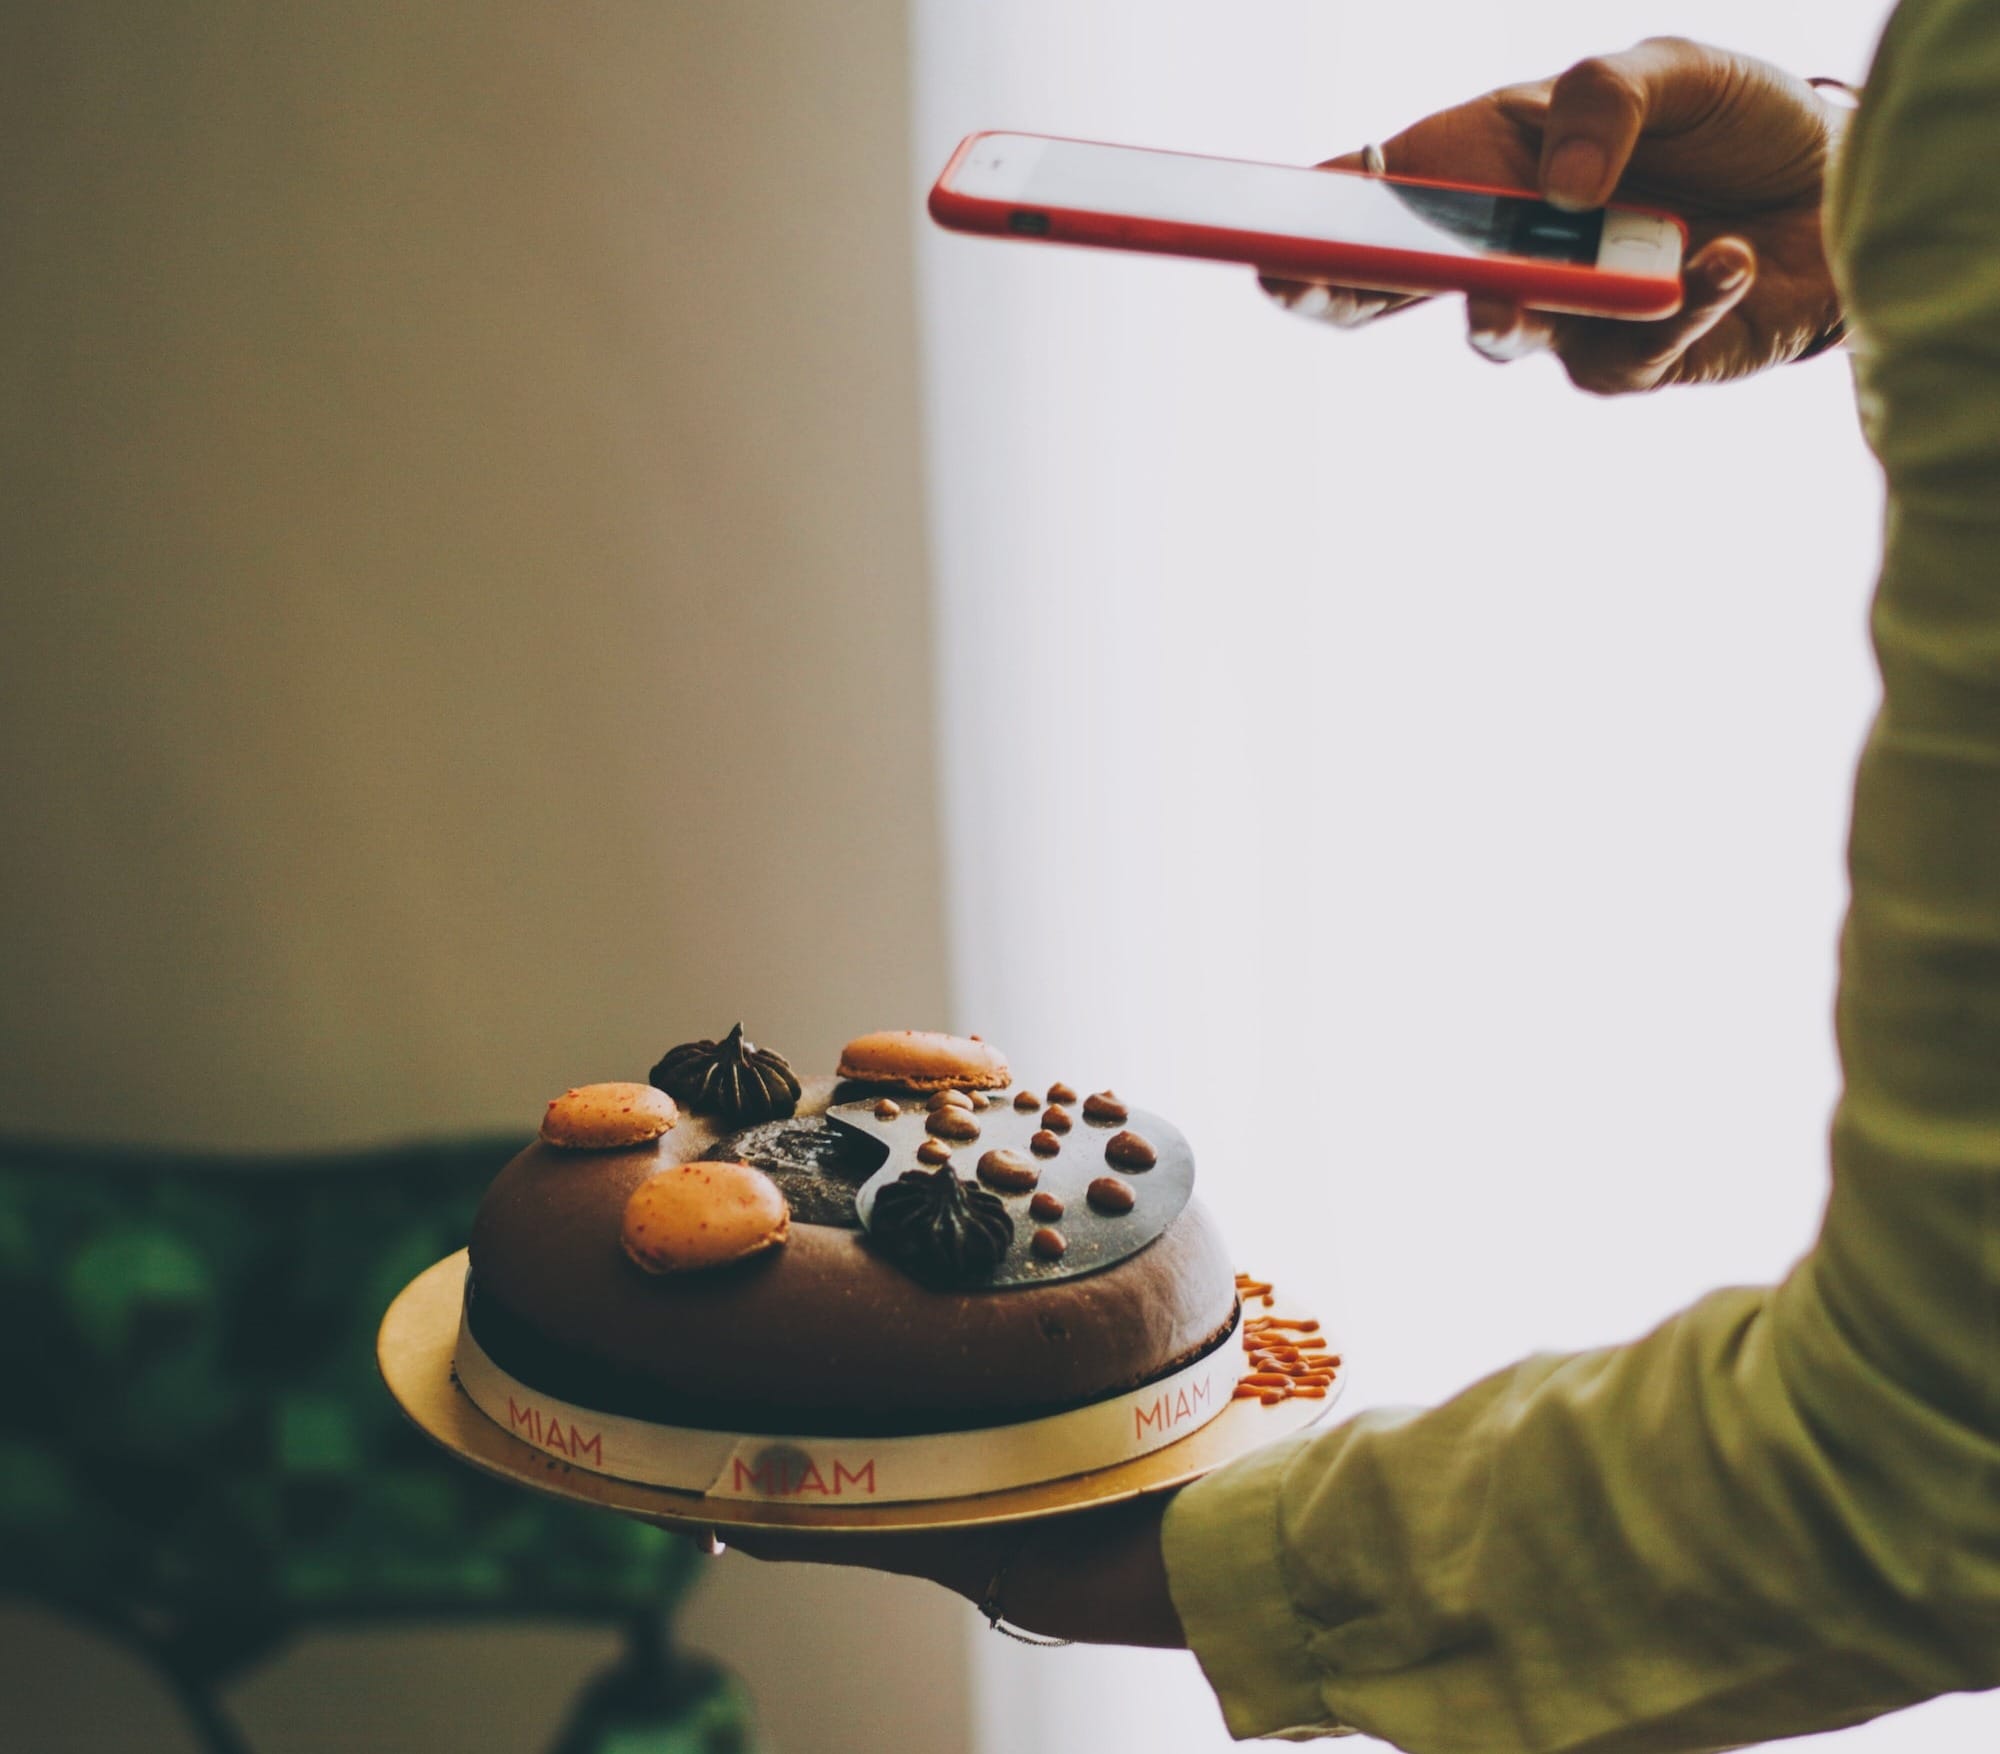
(758, 1479)
(865, 1473)
(1166, 1411)
(786, 1473)
(550, 1434)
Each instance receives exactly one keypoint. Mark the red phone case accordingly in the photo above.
(1524, 280)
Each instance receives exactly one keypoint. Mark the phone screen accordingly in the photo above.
(1232, 195)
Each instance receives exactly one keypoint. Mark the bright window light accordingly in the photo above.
(1426, 783)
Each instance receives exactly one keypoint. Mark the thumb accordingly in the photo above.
(1600, 107)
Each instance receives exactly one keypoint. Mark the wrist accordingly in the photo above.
(1833, 335)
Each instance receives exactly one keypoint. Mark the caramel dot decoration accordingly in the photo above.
(955, 1124)
(887, 1109)
(1105, 1109)
(1008, 1171)
(1061, 1092)
(1049, 1243)
(934, 1152)
(1026, 1099)
(1045, 1206)
(1111, 1195)
(1130, 1151)
(1045, 1144)
(608, 1117)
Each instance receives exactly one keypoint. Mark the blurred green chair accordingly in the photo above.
(197, 1457)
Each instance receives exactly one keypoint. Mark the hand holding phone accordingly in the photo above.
(1399, 234)
(1737, 146)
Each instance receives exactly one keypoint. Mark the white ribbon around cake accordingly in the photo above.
(855, 1470)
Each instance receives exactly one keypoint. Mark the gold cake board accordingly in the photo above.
(420, 1331)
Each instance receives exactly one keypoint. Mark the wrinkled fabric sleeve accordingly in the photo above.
(1779, 1512)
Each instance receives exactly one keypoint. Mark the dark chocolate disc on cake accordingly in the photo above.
(1096, 1238)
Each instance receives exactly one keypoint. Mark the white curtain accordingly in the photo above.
(1427, 783)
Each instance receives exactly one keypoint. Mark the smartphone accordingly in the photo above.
(1393, 234)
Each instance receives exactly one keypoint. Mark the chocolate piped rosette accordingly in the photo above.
(920, 1278)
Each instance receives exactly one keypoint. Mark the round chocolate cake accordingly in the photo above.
(921, 1246)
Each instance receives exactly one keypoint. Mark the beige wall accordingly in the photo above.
(464, 621)
(462, 618)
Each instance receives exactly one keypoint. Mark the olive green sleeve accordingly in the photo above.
(1779, 1512)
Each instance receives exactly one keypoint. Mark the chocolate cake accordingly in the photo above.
(907, 1284)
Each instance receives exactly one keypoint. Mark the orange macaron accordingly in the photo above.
(925, 1059)
(608, 1117)
(698, 1215)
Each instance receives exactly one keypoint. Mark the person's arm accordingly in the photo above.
(1781, 1511)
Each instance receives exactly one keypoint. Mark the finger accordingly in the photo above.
(1609, 358)
(1717, 279)
(961, 1561)
(789, 1547)
(1345, 307)
(1504, 332)
(1599, 108)
(1526, 106)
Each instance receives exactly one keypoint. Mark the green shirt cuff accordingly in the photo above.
(1226, 1576)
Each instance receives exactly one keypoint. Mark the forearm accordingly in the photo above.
(1707, 1538)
